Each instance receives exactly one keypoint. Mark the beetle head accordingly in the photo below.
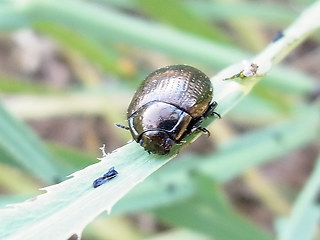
(158, 142)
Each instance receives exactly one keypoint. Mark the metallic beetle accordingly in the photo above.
(170, 104)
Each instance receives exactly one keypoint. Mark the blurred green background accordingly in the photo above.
(68, 70)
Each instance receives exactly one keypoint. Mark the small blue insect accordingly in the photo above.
(105, 178)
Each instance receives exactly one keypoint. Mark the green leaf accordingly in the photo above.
(11, 17)
(12, 85)
(207, 212)
(68, 207)
(175, 13)
(269, 12)
(26, 149)
(107, 23)
(10, 199)
(90, 49)
(305, 216)
(13, 180)
(180, 234)
(72, 157)
(98, 22)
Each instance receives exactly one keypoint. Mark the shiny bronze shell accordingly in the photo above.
(180, 85)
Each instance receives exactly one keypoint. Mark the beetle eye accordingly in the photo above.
(141, 142)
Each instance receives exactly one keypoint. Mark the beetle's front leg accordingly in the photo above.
(210, 111)
(204, 130)
(197, 122)
(196, 126)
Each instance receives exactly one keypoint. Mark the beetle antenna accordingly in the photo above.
(122, 126)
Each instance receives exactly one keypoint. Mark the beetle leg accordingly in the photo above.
(195, 125)
(122, 126)
(210, 111)
(202, 129)
(217, 114)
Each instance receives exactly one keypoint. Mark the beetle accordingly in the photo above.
(170, 104)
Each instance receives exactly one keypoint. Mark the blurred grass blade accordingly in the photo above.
(180, 234)
(22, 183)
(26, 149)
(176, 14)
(11, 17)
(268, 12)
(207, 212)
(74, 158)
(305, 214)
(9, 199)
(98, 22)
(103, 57)
(107, 23)
(289, 80)
(9, 84)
